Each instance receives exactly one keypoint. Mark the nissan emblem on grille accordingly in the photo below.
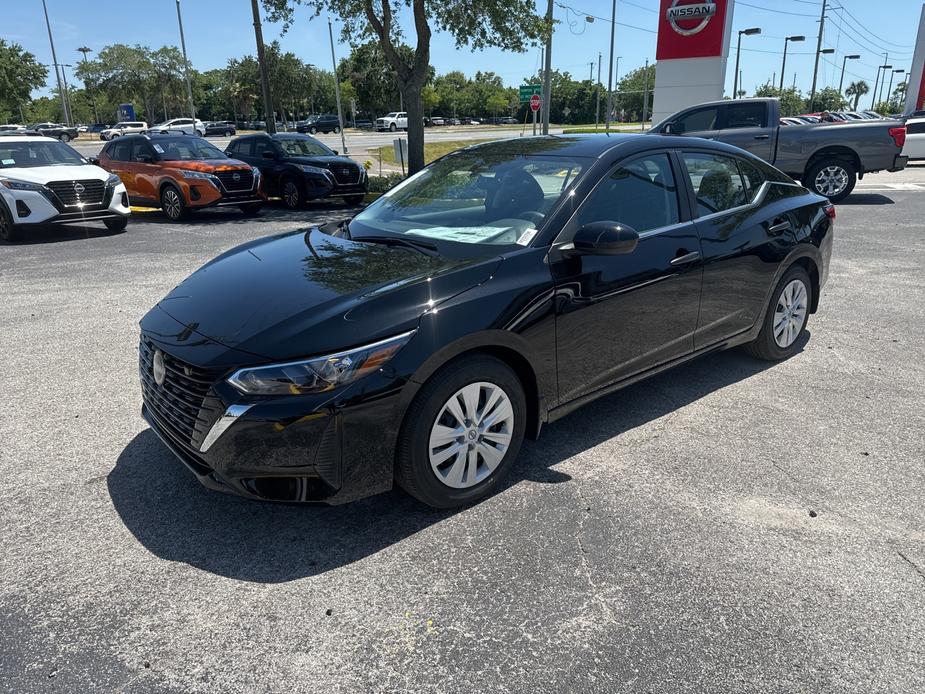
(158, 368)
(78, 188)
(236, 177)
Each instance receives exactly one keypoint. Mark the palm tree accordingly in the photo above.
(857, 90)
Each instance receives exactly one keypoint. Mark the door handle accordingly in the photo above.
(685, 259)
(779, 226)
(762, 137)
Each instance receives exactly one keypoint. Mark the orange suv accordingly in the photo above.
(179, 172)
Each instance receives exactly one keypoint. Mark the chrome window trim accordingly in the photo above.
(229, 417)
(759, 198)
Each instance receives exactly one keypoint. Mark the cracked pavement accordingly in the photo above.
(660, 539)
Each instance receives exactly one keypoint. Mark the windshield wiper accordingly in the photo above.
(424, 247)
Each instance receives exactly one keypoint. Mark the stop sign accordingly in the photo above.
(535, 102)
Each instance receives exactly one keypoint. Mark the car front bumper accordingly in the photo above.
(34, 208)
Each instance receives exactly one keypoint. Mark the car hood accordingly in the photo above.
(44, 174)
(322, 160)
(307, 292)
(208, 165)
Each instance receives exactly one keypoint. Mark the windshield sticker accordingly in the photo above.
(526, 237)
(463, 234)
(8, 162)
(158, 149)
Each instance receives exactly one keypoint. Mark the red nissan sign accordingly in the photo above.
(690, 29)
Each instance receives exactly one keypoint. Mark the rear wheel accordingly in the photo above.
(292, 193)
(336, 129)
(251, 208)
(65, 137)
(8, 231)
(462, 433)
(172, 203)
(786, 317)
(228, 133)
(832, 178)
(116, 225)
(313, 130)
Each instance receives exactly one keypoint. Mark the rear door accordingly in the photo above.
(145, 169)
(745, 125)
(119, 153)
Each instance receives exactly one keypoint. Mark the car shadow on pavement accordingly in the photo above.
(866, 199)
(57, 234)
(175, 518)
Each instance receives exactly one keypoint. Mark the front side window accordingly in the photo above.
(641, 194)
(185, 148)
(261, 146)
(31, 154)
(697, 120)
(473, 198)
(746, 115)
(716, 182)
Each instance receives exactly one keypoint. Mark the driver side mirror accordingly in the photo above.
(605, 238)
(94, 160)
(335, 151)
(672, 129)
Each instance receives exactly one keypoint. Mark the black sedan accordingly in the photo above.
(297, 168)
(61, 132)
(325, 123)
(499, 289)
(223, 128)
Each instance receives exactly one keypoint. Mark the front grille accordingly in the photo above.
(345, 173)
(245, 180)
(70, 193)
(180, 404)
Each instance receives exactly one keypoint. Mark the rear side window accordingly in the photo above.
(261, 146)
(698, 119)
(746, 115)
(716, 182)
(242, 148)
(752, 179)
(915, 128)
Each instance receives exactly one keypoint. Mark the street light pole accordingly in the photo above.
(889, 89)
(597, 108)
(735, 79)
(547, 68)
(264, 78)
(812, 92)
(67, 91)
(54, 60)
(613, 26)
(189, 86)
(878, 83)
(783, 65)
(841, 81)
(340, 113)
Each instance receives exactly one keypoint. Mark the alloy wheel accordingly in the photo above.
(172, 204)
(790, 314)
(471, 435)
(291, 195)
(831, 181)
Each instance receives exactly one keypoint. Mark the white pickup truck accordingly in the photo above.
(397, 120)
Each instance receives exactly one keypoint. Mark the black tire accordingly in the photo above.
(228, 133)
(336, 129)
(291, 192)
(116, 225)
(251, 208)
(830, 168)
(354, 199)
(64, 137)
(392, 127)
(413, 469)
(313, 130)
(9, 232)
(765, 346)
(172, 203)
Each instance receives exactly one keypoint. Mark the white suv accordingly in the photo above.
(187, 125)
(397, 120)
(44, 181)
(125, 127)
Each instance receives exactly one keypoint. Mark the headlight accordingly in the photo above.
(204, 176)
(314, 170)
(318, 374)
(13, 184)
(113, 180)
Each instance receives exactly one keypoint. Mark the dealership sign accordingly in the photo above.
(691, 29)
(688, 20)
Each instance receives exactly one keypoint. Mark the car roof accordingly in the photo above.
(27, 138)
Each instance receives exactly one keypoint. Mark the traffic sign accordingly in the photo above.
(535, 103)
(528, 90)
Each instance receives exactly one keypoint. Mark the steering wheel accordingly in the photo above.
(532, 216)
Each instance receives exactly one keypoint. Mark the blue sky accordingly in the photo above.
(219, 29)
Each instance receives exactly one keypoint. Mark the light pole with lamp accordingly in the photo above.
(888, 89)
(783, 65)
(841, 80)
(873, 101)
(735, 80)
(189, 86)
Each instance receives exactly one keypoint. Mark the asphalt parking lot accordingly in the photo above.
(730, 526)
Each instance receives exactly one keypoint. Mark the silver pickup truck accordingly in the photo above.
(826, 157)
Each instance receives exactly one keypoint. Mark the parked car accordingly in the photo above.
(872, 115)
(97, 127)
(434, 121)
(829, 158)
(123, 128)
(297, 168)
(186, 125)
(417, 343)
(43, 181)
(325, 123)
(453, 121)
(220, 128)
(363, 124)
(508, 120)
(179, 173)
(11, 128)
(915, 139)
(469, 120)
(55, 130)
(397, 120)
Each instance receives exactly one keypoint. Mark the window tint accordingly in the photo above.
(242, 148)
(716, 181)
(752, 178)
(699, 119)
(121, 151)
(139, 148)
(261, 146)
(641, 194)
(915, 128)
(746, 115)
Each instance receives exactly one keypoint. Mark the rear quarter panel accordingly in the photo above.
(870, 140)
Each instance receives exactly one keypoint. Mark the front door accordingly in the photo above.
(620, 315)
(745, 125)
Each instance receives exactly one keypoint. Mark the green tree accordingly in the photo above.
(856, 90)
(828, 99)
(792, 102)
(509, 24)
(20, 73)
(631, 90)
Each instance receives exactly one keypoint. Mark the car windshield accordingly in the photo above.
(44, 153)
(304, 148)
(473, 198)
(186, 149)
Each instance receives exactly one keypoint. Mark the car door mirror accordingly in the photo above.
(335, 151)
(94, 160)
(605, 238)
(269, 154)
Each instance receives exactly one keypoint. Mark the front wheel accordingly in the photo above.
(392, 127)
(462, 433)
(65, 137)
(313, 130)
(251, 208)
(832, 178)
(172, 204)
(228, 133)
(116, 225)
(786, 317)
(336, 129)
(8, 231)
(292, 194)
